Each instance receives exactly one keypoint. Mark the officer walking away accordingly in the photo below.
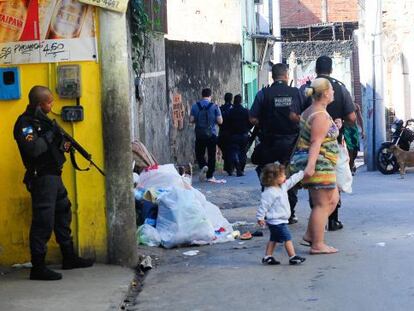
(42, 150)
(206, 115)
(276, 111)
(341, 108)
(238, 125)
(223, 136)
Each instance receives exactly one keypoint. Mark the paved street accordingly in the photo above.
(101, 287)
(372, 271)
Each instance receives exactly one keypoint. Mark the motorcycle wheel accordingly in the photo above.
(386, 161)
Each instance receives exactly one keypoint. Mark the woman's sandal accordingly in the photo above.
(326, 251)
(270, 261)
(305, 242)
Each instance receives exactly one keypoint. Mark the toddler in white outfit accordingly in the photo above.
(276, 209)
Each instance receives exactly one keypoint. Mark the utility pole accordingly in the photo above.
(116, 109)
(324, 11)
(274, 7)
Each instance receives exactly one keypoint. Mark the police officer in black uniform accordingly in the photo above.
(341, 108)
(238, 125)
(223, 136)
(42, 150)
(276, 111)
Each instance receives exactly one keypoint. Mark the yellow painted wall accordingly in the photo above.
(86, 189)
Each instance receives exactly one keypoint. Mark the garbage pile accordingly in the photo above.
(172, 213)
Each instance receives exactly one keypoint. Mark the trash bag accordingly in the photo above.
(343, 171)
(165, 176)
(145, 210)
(182, 220)
(148, 235)
(213, 213)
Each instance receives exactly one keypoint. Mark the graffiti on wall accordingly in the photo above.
(43, 31)
(178, 112)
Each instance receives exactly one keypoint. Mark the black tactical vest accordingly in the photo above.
(50, 161)
(276, 108)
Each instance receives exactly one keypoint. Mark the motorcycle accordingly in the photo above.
(401, 135)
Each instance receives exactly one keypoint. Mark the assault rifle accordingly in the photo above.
(74, 145)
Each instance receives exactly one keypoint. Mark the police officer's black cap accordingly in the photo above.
(323, 64)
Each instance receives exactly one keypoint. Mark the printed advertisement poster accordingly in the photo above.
(114, 5)
(43, 31)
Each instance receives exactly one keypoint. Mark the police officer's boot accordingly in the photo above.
(73, 261)
(39, 270)
(333, 223)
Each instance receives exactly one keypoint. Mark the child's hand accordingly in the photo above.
(338, 123)
(309, 171)
(261, 223)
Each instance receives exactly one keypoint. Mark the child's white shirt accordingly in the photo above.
(275, 203)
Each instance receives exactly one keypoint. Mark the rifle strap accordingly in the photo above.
(75, 165)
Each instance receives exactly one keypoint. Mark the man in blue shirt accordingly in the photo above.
(206, 115)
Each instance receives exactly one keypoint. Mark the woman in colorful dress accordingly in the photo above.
(316, 153)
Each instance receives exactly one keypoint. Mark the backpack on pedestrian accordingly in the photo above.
(203, 128)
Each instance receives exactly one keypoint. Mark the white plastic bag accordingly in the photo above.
(148, 235)
(165, 176)
(213, 213)
(182, 220)
(343, 171)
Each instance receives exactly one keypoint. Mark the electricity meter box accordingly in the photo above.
(72, 113)
(69, 81)
(10, 83)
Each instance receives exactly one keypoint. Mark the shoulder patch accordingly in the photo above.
(27, 131)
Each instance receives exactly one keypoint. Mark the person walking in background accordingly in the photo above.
(316, 153)
(224, 132)
(275, 208)
(276, 111)
(351, 136)
(238, 126)
(206, 115)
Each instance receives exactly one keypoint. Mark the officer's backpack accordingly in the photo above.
(203, 128)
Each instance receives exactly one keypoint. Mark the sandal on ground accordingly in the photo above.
(270, 261)
(326, 251)
(305, 243)
(246, 236)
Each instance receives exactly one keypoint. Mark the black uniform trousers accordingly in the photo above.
(200, 149)
(236, 152)
(222, 143)
(51, 212)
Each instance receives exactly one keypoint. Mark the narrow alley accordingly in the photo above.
(371, 271)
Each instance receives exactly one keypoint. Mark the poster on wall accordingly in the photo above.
(114, 5)
(44, 31)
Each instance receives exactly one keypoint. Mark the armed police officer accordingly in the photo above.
(42, 148)
(276, 110)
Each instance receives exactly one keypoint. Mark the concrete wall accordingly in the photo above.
(371, 62)
(204, 21)
(398, 44)
(307, 53)
(151, 109)
(190, 68)
(308, 12)
(86, 190)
